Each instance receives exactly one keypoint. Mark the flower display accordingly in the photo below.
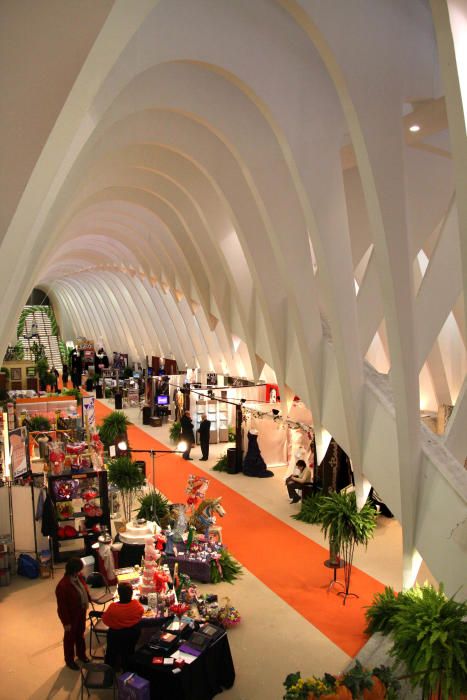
(229, 616)
(179, 609)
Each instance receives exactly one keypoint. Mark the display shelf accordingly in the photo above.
(217, 414)
(77, 483)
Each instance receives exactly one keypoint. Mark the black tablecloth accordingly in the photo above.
(208, 675)
(130, 555)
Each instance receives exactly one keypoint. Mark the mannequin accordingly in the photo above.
(254, 464)
(76, 368)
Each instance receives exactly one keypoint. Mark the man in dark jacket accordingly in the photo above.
(187, 433)
(204, 428)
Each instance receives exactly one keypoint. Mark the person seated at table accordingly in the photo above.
(299, 479)
(122, 619)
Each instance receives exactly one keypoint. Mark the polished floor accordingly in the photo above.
(272, 640)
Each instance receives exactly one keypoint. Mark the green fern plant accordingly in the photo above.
(39, 423)
(430, 637)
(175, 432)
(310, 510)
(230, 568)
(221, 464)
(114, 428)
(380, 614)
(346, 527)
(153, 506)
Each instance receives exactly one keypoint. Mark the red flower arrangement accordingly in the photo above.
(179, 609)
(160, 581)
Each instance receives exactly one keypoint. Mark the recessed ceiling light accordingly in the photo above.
(414, 128)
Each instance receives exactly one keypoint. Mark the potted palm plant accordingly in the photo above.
(128, 478)
(114, 429)
(346, 527)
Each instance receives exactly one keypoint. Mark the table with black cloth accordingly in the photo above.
(211, 673)
(130, 555)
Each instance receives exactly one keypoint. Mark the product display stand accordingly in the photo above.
(334, 565)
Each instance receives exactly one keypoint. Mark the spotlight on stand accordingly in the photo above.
(275, 411)
(242, 401)
(182, 446)
(122, 446)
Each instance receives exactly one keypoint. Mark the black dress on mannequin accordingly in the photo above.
(76, 369)
(254, 464)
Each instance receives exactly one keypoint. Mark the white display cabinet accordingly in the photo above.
(218, 416)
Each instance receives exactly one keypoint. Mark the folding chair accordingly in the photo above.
(98, 630)
(97, 677)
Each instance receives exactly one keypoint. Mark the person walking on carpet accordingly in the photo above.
(204, 428)
(188, 434)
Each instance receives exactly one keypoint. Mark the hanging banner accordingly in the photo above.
(89, 416)
(19, 452)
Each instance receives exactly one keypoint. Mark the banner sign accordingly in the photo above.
(19, 452)
(89, 416)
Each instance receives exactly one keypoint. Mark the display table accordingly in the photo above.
(196, 570)
(208, 675)
(130, 554)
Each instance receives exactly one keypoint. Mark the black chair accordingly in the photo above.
(121, 645)
(97, 630)
(97, 677)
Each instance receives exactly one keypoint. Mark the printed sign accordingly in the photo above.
(89, 416)
(19, 452)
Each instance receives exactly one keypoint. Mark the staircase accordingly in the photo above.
(46, 338)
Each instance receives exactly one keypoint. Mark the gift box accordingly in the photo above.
(133, 687)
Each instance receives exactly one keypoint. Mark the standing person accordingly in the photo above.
(303, 477)
(72, 603)
(204, 428)
(188, 434)
(65, 376)
(55, 384)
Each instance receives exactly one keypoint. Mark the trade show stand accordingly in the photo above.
(207, 675)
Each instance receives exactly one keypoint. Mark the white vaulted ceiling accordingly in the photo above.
(225, 170)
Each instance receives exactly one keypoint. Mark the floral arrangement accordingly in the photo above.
(298, 688)
(160, 581)
(179, 609)
(228, 615)
(357, 682)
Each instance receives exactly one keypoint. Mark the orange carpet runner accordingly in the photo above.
(286, 561)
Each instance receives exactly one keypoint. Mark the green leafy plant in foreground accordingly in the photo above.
(221, 464)
(430, 636)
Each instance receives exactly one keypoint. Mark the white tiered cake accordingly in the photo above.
(136, 533)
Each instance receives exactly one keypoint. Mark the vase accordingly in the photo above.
(334, 555)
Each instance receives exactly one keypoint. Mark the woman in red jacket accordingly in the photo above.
(122, 619)
(72, 603)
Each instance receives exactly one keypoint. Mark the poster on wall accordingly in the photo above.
(19, 452)
(89, 415)
(211, 379)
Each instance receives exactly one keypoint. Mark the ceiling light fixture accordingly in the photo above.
(414, 128)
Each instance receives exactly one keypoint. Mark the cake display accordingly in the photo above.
(137, 532)
(151, 557)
